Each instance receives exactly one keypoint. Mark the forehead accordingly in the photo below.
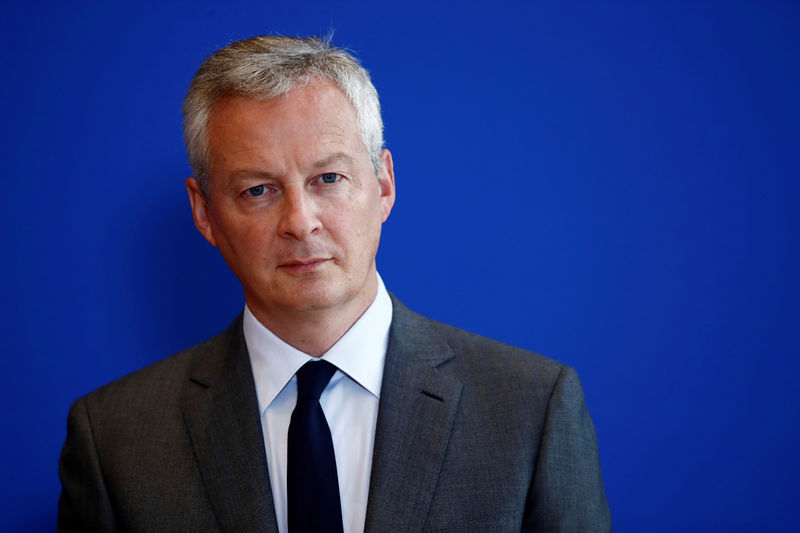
(284, 137)
(312, 112)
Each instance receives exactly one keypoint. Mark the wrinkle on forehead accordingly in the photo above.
(296, 130)
(307, 104)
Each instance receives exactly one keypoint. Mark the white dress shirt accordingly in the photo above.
(350, 402)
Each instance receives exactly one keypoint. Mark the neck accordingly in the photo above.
(314, 331)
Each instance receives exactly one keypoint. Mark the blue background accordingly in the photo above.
(612, 184)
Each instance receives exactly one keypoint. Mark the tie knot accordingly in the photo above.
(312, 378)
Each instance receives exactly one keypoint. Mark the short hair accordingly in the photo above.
(265, 67)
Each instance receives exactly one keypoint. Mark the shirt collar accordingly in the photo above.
(360, 353)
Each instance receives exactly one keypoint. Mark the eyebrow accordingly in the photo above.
(333, 158)
(317, 165)
(248, 174)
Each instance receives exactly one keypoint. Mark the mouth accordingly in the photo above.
(299, 266)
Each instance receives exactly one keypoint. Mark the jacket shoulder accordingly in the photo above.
(163, 379)
(477, 357)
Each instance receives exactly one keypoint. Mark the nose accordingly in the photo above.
(298, 218)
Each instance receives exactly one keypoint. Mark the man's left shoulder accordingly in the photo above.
(479, 358)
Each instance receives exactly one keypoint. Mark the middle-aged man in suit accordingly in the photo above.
(327, 405)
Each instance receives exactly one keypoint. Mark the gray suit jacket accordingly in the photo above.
(472, 435)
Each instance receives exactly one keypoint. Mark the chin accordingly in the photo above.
(313, 298)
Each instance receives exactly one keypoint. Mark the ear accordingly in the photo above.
(200, 210)
(386, 183)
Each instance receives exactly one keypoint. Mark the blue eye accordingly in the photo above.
(258, 190)
(329, 177)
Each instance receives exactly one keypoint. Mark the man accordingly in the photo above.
(413, 425)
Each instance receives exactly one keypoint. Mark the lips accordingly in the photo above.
(303, 265)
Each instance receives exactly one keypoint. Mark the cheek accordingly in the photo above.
(242, 234)
(369, 231)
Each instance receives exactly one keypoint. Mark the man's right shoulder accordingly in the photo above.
(165, 378)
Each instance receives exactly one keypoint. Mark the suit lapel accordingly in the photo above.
(220, 409)
(417, 406)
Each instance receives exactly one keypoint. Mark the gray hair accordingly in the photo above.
(265, 67)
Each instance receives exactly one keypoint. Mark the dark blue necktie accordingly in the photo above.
(313, 486)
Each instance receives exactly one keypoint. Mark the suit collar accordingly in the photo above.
(417, 406)
(221, 414)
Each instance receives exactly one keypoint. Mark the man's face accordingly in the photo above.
(294, 204)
